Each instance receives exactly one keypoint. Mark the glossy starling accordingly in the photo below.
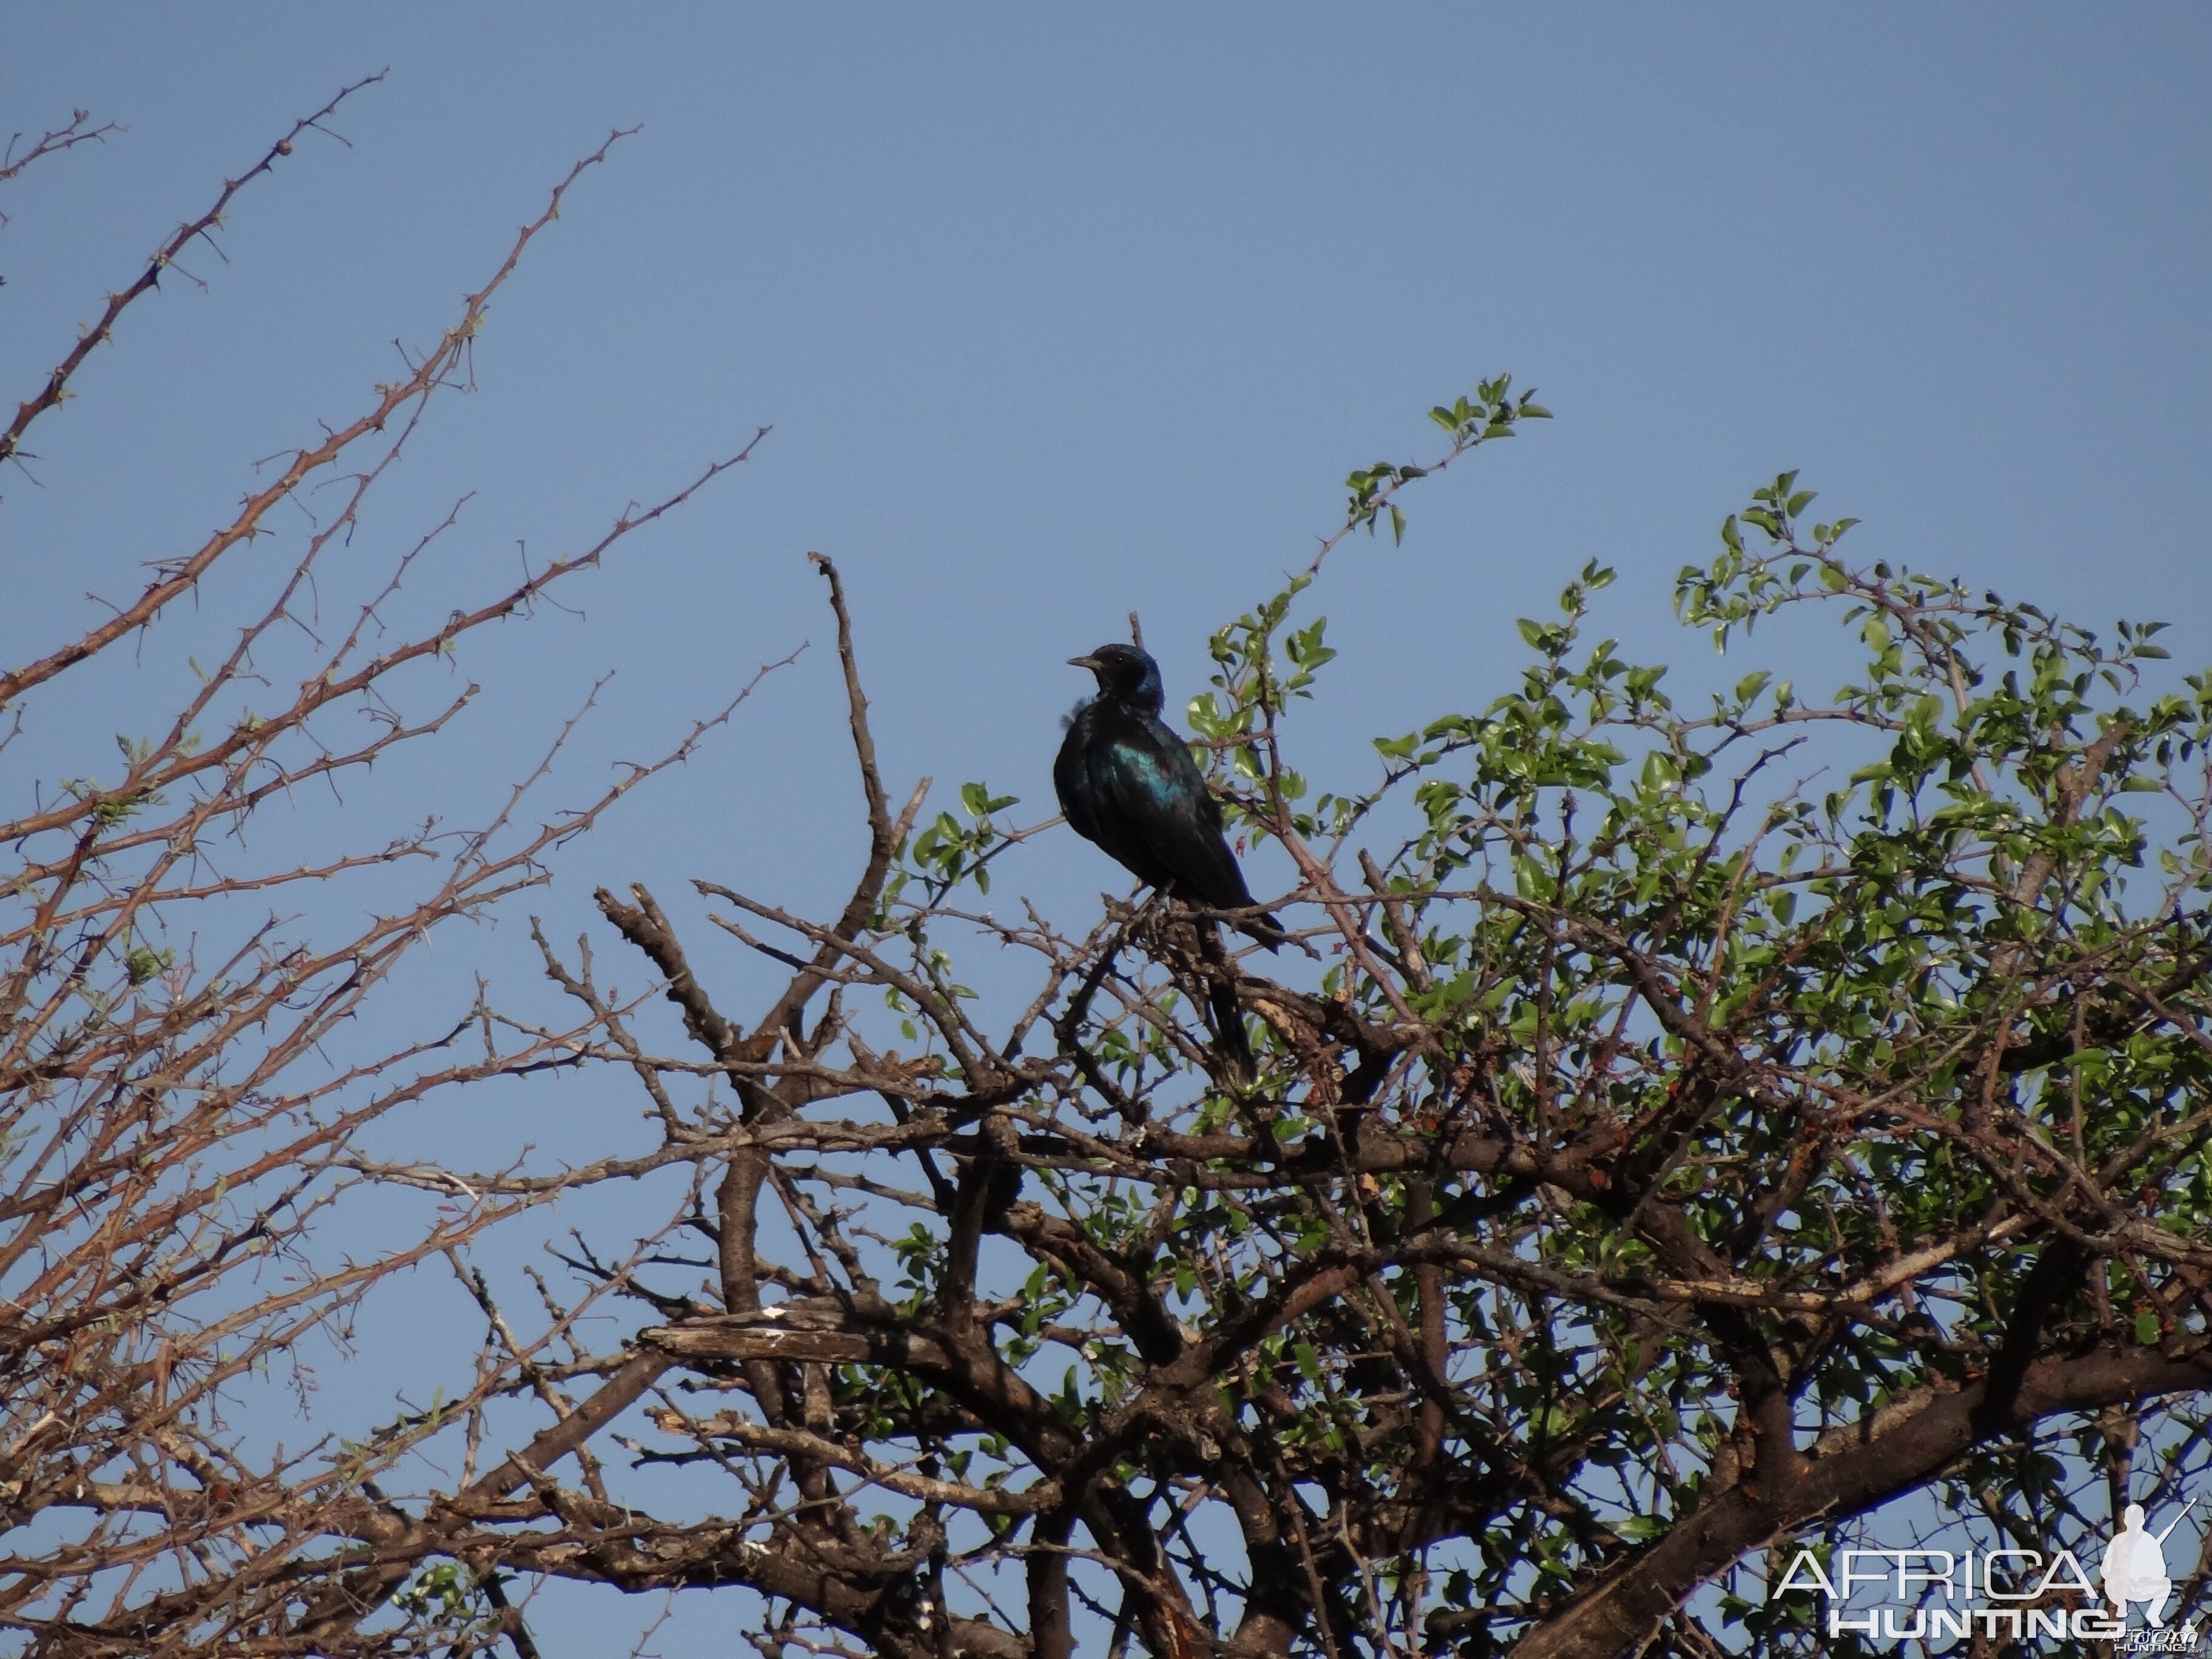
(1127, 782)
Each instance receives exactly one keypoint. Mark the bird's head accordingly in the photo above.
(1126, 675)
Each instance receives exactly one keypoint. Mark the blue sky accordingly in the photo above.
(1060, 312)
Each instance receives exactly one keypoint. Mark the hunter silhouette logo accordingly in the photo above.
(2135, 1566)
(2006, 1594)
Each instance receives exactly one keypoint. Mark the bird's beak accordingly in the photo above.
(1091, 663)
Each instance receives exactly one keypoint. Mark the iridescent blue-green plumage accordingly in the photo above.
(1128, 783)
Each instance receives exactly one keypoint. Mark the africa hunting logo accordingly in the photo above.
(2012, 1596)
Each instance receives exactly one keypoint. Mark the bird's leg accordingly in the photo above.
(1152, 914)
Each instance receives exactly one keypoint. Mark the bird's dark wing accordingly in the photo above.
(1083, 778)
(1147, 778)
(1128, 783)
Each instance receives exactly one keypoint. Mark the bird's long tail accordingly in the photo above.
(1227, 1015)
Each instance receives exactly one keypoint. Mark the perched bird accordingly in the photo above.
(1128, 783)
